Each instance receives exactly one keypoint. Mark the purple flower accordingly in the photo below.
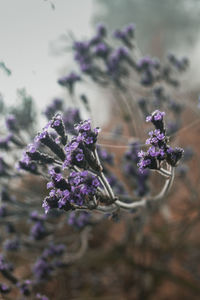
(46, 139)
(84, 126)
(74, 154)
(69, 81)
(79, 220)
(11, 245)
(101, 50)
(46, 206)
(125, 35)
(89, 140)
(38, 231)
(71, 117)
(157, 119)
(4, 289)
(42, 269)
(105, 156)
(24, 287)
(158, 115)
(152, 152)
(62, 202)
(174, 156)
(41, 297)
(101, 30)
(159, 150)
(145, 63)
(11, 123)
(55, 106)
(34, 216)
(79, 156)
(53, 250)
(130, 29)
(148, 118)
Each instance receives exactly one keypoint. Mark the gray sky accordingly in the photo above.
(27, 27)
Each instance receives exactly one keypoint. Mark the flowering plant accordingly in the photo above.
(84, 183)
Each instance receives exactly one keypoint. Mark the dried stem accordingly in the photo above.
(143, 201)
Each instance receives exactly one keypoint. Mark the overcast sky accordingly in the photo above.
(27, 28)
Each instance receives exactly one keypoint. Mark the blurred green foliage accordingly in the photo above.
(5, 68)
(24, 110)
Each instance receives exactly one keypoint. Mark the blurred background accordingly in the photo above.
(35, 38)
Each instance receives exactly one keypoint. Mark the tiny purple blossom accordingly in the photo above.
(62, 202)
(89, 140)
(79, 157)
(148, 118)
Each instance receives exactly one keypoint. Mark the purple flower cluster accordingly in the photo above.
(35, 216)
(115, 64)
(24, 287)
(71, 116)
(48, 262)
(102, 50)
(101, 33)
(38, 231)
(53, 250)
(159, 150)
(58, 125)
(118, 62)
(11, 123)
(45, 138)
(105, 156)
(74, 166)
(4, 288)
(116, 185)
(82, 55)
(12, 244)
(157, 119)
(79, 220)
(53, 108)
(138, 180)
(42, 269)
(79, 188)
(126, 35)
(85, 52)
(88, 53)
(32, 156)
(41, 297)
(148, 68)
(26, 163)
(78, 150)
(69, 81)
(180, 64)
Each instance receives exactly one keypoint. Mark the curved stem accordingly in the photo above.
(143, 201)
(102, 177)
(70, 258)
(164, 172)
(107, 185)
(167, 186)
